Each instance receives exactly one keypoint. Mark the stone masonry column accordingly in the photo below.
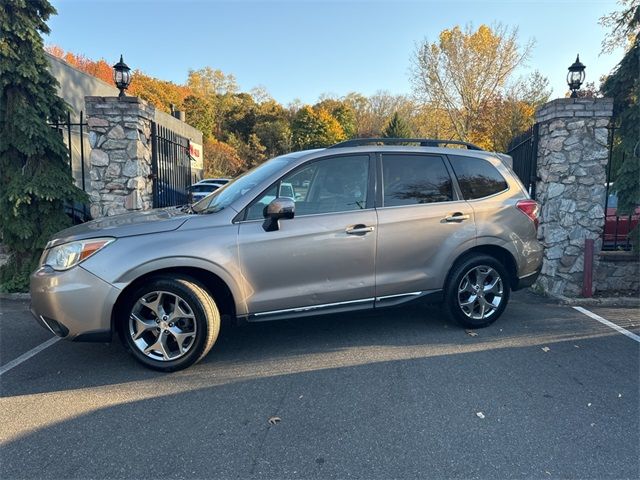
(120, 160)
(572, 161)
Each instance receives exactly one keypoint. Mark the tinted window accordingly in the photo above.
(477, 177)
(333, 185)
(414, 179)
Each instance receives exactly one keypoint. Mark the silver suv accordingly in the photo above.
(363, 224)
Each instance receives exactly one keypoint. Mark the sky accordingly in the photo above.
(300, 50)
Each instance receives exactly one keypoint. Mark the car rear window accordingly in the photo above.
(414, 179)
(477, 177)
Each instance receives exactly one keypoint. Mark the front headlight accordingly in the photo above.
(67, 255)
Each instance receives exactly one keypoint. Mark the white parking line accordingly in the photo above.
(606, 322)
(26, 356)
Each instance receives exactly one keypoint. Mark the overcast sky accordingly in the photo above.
(303, 49)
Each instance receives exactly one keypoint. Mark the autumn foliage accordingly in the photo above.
(463, 89)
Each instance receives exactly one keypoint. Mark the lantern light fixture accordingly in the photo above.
(121, 76)
(575, 77)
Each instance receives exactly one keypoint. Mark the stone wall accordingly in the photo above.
(572, 161)
(120, 160)
(617, 271)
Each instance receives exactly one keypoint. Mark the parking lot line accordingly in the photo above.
(606, 322)
(26, 356)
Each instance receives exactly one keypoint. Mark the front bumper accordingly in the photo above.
(74, 304)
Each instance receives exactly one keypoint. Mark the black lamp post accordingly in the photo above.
(121, 76)
(575, 77)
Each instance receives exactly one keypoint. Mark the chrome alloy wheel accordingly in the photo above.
(162, 326)
(480, 292)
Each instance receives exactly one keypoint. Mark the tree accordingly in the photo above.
(99, 69)
(275, 135)
(466, 70)
(200, 113)
(342, 112)
(623, 85)
(252, 151)
(315, 129)
(160, 93)
(36, 180)
(622, 25)
(221, 159)
(397, 128)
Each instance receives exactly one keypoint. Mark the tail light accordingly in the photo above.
(531, 209)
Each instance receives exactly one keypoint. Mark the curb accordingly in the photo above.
(599, 302)
(15, 296)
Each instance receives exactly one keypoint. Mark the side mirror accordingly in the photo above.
(281, 207)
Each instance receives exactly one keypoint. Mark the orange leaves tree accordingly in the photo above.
(221, 159)
(467, 73)
(315, 128)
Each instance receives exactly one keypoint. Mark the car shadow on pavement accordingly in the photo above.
(306, 344)
(370, 418)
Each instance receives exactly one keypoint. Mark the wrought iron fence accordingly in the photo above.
(523, 149)
(74, 134)
(171, 167)
(617, 228)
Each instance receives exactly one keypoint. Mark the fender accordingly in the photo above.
(237, 290)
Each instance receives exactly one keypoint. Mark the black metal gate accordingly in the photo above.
(524, 151)
(75, 135)
(616, 234)
(171, 167)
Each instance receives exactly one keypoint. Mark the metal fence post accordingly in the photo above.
(587, 271)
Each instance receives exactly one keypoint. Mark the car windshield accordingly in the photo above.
(229, 193)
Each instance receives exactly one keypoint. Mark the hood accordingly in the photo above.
(125, 225)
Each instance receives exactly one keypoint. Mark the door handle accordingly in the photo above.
(456, 217)
(359, 230)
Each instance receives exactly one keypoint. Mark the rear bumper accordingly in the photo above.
(74, 304)
(527, 280)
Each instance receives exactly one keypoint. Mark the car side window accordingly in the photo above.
(477, 177)
(337, 184)
(414, 179)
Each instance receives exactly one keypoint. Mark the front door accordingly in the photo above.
(323, 258)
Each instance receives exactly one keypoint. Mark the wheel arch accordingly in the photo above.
(214, 284)
(504, 256)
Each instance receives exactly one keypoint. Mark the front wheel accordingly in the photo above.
(170, 323)
(477, 291)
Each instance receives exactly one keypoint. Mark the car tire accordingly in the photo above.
(169, 323)
(477, 291)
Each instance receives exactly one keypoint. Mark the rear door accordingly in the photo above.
(422, 225)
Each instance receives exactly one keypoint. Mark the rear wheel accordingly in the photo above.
(169, 324)
(477, 291)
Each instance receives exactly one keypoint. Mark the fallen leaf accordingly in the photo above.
(274, 420)
(480, 415)
(471, 333)
(545, 349)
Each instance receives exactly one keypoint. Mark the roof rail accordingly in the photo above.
(424, 142)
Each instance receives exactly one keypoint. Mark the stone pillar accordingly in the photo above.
(572, 161)
(120, 160)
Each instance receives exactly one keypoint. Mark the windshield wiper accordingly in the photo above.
(187, 208)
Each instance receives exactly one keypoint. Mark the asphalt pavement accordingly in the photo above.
(545, 392)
